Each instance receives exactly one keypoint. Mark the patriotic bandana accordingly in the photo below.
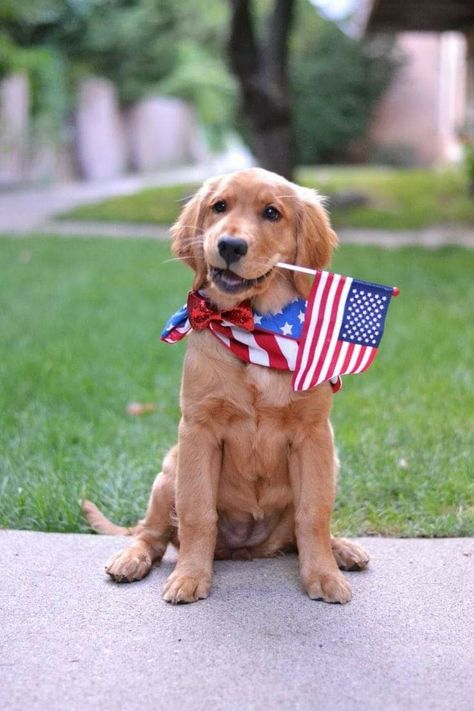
(268, 339)
(336, 332)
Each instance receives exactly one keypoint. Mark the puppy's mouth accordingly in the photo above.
(231, 283)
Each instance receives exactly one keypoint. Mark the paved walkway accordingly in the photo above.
(35, 210)
(74, 640)
(29, 210)
(431, 238)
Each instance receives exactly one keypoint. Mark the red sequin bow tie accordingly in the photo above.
(201, 312)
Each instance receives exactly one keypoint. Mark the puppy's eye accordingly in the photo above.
(271, 213)
(219, 206)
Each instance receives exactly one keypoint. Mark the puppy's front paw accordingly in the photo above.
(349, 555)
(129, 565)
(186, 588)
(330, 587)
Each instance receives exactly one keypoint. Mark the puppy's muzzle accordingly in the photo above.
(231, 249)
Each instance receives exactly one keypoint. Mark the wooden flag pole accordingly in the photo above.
(306, 270)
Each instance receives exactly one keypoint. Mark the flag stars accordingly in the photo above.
(286, 329)
(257, 318)
(301, 317)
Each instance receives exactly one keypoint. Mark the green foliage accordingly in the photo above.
(144, 47)
(134, 44)
(80, 321)
(336, 81)
(207, 85)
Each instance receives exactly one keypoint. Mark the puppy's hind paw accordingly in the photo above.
(349, 555)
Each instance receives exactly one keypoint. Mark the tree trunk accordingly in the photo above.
(262, 73)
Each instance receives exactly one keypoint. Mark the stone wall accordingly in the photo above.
(14, 128)
(105, 141)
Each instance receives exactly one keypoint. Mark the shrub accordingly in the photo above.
(336, 82)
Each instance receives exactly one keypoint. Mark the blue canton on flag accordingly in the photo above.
(364, 315)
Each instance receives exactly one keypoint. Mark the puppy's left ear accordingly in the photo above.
(186, 235)
(315, 239)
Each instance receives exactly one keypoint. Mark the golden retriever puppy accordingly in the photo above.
(254, 470)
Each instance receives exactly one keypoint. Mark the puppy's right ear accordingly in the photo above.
(187, 236)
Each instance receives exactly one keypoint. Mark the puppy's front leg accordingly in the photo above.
(313, 479)
(199, 462)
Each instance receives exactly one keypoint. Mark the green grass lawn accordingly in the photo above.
(397, 199)
(80, 321)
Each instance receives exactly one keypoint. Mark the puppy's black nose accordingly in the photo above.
(232, 248)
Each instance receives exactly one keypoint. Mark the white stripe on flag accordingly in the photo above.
(321, 336)
(342, 358)
(289, 348)
(224, 339)
(257, 354)
(324, 375)
(311, 329)
(185, 327)
(353, 360)
(365, 358)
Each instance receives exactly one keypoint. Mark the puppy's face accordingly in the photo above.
(237, 227)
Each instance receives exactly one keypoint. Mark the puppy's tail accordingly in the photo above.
(98, 522)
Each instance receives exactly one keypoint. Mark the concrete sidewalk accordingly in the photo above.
(430, 237)
(36, 209)
(32, 209)
(74, 640)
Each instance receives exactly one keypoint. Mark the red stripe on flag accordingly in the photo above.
(239, 349)
(330, 329)
(358, 359)
(173, 336)
(347, 359)
(269, 343)
(334, 359)
(371, 359)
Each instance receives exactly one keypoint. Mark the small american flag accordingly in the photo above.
(343, 326)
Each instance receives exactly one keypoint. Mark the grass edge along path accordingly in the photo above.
(397, 199)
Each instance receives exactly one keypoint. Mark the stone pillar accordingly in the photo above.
(470, 79)
(14, 126)
(100, 132)
(163, 131)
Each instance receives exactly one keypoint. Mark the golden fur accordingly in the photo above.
(254, 470)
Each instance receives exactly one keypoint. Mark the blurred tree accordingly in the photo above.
(258, 58)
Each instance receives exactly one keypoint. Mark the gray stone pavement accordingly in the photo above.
(74, 640)
(431, 238)
(29, 210)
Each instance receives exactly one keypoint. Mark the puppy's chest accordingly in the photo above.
(257, 420)
(261, 395)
